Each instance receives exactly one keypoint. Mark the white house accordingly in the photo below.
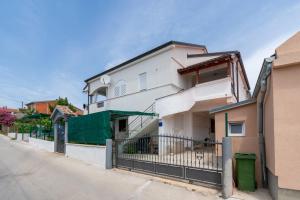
(179, 81)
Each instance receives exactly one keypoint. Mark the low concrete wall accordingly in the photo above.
(12, 135)
(23, 136)
(42, 144)
(92, 154)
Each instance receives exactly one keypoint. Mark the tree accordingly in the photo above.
(63, 102)
(6, 118)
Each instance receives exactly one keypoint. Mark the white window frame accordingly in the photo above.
(143, 77)
(235, 134)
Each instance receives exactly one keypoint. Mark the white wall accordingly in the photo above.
(243, 95)
(162, 79)
(188, 124)
(185, 100)
(91, 154)
(42, 144)
(12, 135)
(201, 125)
(135, 102)
(23, 136)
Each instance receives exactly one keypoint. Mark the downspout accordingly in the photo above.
(262, 93)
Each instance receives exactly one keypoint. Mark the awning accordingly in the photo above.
(225, 58)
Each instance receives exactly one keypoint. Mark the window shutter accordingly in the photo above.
(143, 81)
(117, 91)
(123, 89)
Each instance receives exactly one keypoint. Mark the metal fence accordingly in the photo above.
(177, 156)
(49, 136)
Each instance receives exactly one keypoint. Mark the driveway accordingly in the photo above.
(26, 173)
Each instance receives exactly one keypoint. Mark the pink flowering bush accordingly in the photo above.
(6, 118)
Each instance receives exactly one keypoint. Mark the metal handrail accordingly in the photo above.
(141, 120)
(151, 106)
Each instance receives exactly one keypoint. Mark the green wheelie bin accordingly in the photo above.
(245, 171)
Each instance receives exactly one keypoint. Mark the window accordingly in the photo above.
(143, 81)
(120, 88)
(122, 125)
(123, 89)
(236, 129)
(117, 91)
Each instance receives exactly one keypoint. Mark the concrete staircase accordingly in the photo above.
(143, 124)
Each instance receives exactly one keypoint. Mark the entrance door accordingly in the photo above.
(61, 138)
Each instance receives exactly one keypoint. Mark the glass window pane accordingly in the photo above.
(236, 128)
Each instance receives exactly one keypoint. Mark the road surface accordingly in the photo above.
(26, 173)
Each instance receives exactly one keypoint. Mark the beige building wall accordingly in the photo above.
(242, 144)
(269, 126)
(282, 124)
(286, 83)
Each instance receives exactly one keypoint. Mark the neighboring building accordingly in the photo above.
(44, 107)
(179, 81)
(41, 106)
(268, 125)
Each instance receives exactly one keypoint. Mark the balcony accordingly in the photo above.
(185, 100)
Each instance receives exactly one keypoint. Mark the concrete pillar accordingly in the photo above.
(227, 188)
(161, 128)
(55, 137)
(109, 156)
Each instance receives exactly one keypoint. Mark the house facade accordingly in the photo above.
(44, 107)
(268, 124)
(178, 81)
(41, 106)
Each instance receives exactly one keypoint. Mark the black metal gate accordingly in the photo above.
(61, 138)
(173, 156)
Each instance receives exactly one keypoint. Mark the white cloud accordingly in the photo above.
(254, 62)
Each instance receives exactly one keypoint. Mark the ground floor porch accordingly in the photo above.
(196, 123)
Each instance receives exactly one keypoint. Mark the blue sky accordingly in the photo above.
(48, 48)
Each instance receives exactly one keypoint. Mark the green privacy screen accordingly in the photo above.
(90, 129)
(96, 128)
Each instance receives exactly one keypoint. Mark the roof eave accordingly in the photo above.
(145, 54)
(232, 106)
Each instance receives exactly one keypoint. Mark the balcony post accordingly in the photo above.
(198, 76)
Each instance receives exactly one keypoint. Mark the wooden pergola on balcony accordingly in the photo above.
(232, 59)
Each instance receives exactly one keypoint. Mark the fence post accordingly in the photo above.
(227, 188)
(108, 159)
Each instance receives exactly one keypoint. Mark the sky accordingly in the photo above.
(49, 47)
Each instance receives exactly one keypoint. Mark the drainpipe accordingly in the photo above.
(88, 103)
(262, 93)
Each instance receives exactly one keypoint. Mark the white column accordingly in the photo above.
(66, 132)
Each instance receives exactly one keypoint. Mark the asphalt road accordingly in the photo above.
(26, 173)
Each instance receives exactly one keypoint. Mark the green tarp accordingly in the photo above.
(90, 129)
(97, 127)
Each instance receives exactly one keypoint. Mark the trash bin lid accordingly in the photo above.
(249, 156)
